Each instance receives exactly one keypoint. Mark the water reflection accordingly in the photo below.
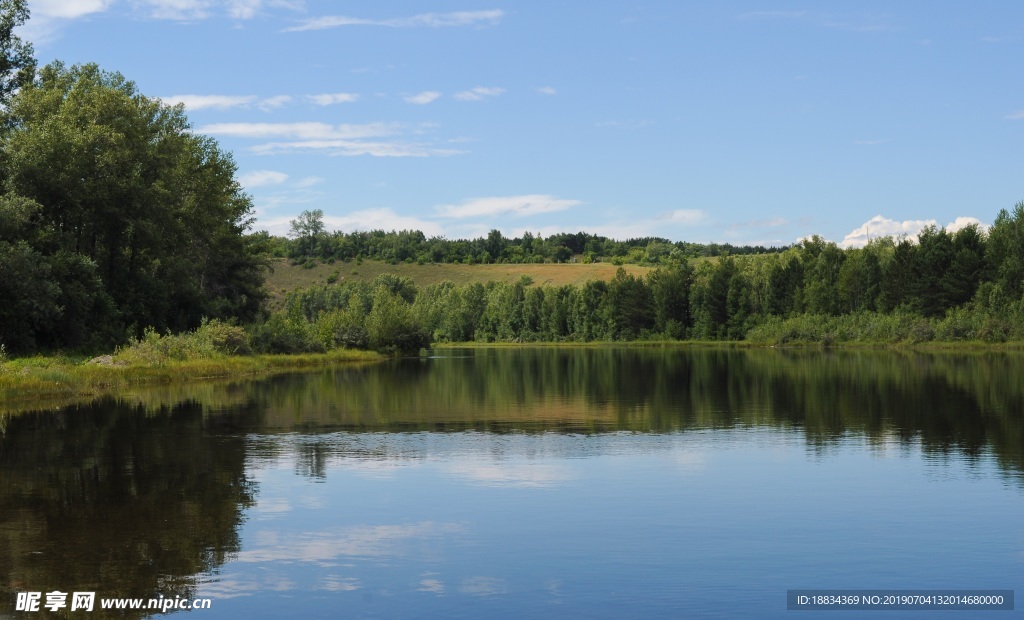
(117, 499)
(142, 494)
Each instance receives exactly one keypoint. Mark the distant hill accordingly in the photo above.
(286, 277)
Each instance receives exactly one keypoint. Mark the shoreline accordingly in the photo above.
(43, 381)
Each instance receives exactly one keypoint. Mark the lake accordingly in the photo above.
(529, 482)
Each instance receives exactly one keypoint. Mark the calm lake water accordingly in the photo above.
(540, 483)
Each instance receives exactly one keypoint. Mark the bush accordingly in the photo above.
(224, 338)
(281, 334)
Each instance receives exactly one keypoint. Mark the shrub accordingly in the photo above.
(224, 338)
(281, 334)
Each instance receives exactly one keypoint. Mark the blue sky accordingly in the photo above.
(738, 122)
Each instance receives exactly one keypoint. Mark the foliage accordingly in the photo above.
(17, 63)
(127, 217)
(211, 340)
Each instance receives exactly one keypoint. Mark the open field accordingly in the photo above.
(286, 277)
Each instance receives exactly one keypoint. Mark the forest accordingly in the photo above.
(962, 286)
(119, 225)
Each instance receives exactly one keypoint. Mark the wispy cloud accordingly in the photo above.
(1016, 116)
(177, 10)
(869, 142)
(423, 98)
(62, 9)
(192, 10)
(345, 140)
(248, 9)
(219, 102)
(880, 226)
(260, 178)
(529, 204)
(273, 103)
(479, 93)
(352, 148)
(332, 98)
(424, 20)
(547, 90)
(226, 102)
(305, 131)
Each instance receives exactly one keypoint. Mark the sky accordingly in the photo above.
(750, 123)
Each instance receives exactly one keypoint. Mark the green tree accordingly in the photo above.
(670, 288)
(391, 326)
(1005, 254)
(308, 232)
(17, 62)
(123, 182)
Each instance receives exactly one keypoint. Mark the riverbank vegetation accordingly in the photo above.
(214, 350)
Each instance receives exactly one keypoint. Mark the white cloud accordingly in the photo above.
(188, 10)
(62, 9)
(530, 204)
(248, 9)
(478, 93)
(1016, 116)
(423, 98)
(179, 10)
(547, 90)
(963, 222)
(353, 147)
(880, 226)
(225, 102)
(346, 140)
(332, 98)
(869, 142)
(273, 103)
(259, 178)
(429, 20)
(220, 102)
(304, 131)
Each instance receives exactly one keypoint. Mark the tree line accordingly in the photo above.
(309, 239)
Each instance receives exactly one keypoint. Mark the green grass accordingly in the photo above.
(47, 381)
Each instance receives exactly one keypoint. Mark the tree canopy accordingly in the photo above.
(129, 218)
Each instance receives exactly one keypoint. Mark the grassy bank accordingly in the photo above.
(35, 381)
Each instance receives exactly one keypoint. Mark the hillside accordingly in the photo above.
(285, 277)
